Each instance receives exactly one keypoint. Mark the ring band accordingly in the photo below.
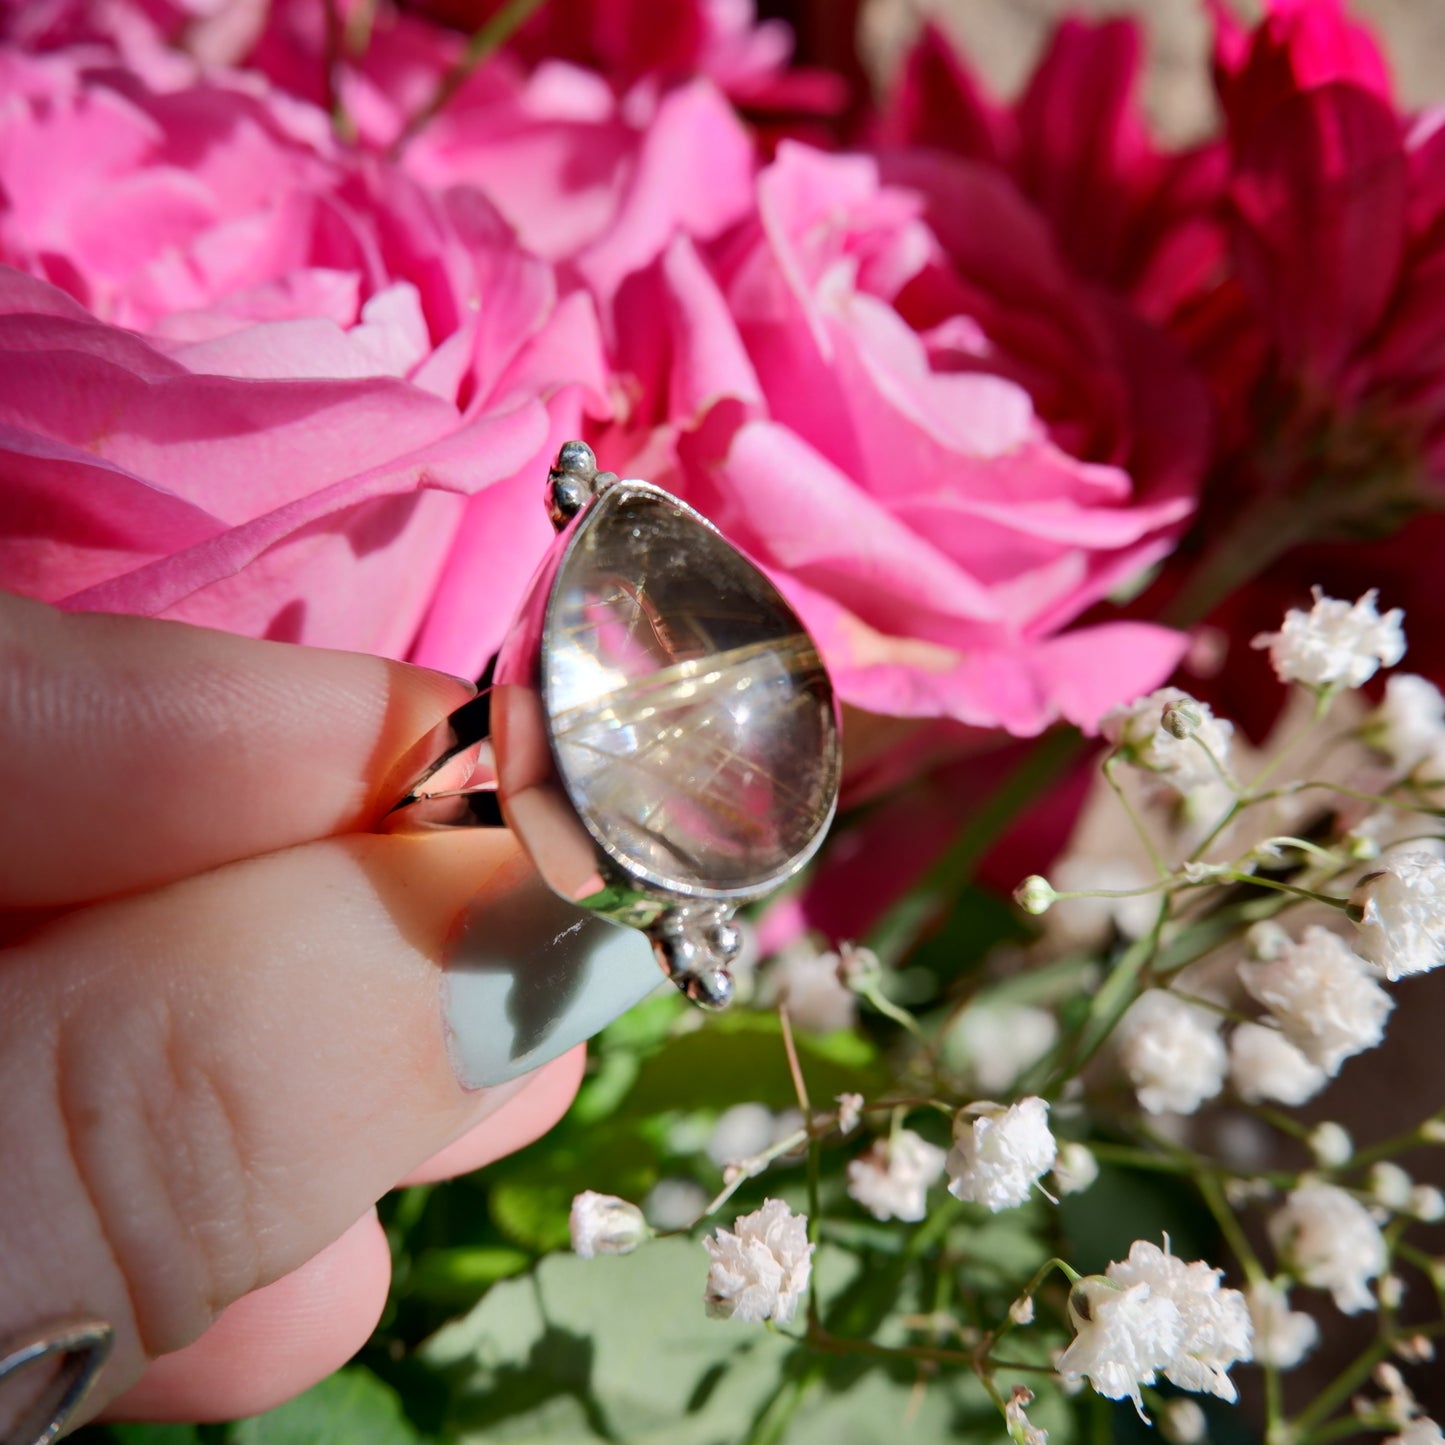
(658, 728)
(83, 1347)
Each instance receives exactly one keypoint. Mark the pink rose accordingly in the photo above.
(628, 41)
(330, 360)
(826, 384)
(592, 178)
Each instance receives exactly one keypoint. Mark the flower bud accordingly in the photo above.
(1427, 1203)
(605, 1224)
(1183, 1422)
(1035, 895)
(1075, 1169)
(1391, 1186)
(1181, 718)
(1331, 1145)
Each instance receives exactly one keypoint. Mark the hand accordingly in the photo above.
(221, 1036)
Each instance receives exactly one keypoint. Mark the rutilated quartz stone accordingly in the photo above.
(692, 720)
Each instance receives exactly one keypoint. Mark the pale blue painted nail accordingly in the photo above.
(530, 976)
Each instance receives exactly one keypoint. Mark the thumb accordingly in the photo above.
(209, 1078)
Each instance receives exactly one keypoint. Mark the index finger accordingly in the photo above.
(134, 752)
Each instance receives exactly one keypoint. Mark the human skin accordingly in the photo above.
(221, 1029)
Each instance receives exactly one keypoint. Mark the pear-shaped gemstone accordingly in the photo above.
(692, 721)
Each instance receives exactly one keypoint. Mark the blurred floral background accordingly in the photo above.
(1042, 362)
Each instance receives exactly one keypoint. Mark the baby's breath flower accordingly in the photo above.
(1182, 753)
(1075, 1169)
(1331, 1145)
(1335, 644)
(605, 1224)
(1017, 1422)
(675, 1204)
(1171, 1051)
(740, 1133)
(1000, 1153)
(1021, 1311)
(1183, 1422)
(1427, 1203)
(1331, 1241)
(811, 985)
(1420, 1431)
(1282, 1336)
(1216, 1330)
(1264, 1065)
(1320, 993)
(892, 1179)
(992, 1044)
(760, 1268)
(850, 1110)
(1391, 1185)
(1409, 723)
(1123, 1337)
(1416, 1349)
(1401, 913)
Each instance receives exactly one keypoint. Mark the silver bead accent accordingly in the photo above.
(694, 946)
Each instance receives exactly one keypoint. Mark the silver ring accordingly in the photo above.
(658, 728)
(83, 1347)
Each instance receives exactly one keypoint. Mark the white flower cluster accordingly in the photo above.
(891, 1181)
(1409, 724)
(992, 1044)
(1153, 1314)
(1401, 912)
(1330, 1241)
(1319, 992)
(761, 1266)
(1174, 736)
(1000, 1153)
(1323, 1005)
(812, 985)
(1282, 1336)
(1335, 644)
(1264, 1066)
(1172, 1052)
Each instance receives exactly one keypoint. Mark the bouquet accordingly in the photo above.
(1105, 474)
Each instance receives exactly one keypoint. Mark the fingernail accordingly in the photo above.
(531, 975)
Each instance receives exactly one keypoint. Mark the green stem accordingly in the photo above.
(1350, 1379)
(1229, 1227)
(1276, 886)
(483, 43)
(1265, 534)
(1140, 831)
(1117, 992)
(909, 918)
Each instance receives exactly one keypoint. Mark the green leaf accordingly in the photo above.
(531, 1195)
(741, 1057)
(896, 1402)
(615, 1348)
(351, 1407)
(459, 1275)
(1123, 1205)
(533, 1211)
(605, 1087)
(139, 1435)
